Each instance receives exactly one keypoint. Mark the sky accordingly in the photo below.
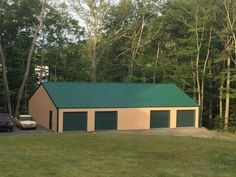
(73, 13)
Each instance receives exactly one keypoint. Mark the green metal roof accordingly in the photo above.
(116, 95)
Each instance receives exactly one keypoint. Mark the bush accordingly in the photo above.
(219, 123)
(232, 124)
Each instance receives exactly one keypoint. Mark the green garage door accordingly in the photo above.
(106, 120)
(74, 121)
(160, 119)
(186, 118)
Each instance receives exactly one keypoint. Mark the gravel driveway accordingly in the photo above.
(17, 130)
(193, 132)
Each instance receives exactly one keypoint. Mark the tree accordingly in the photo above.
(131, 25)
(29, 58)
(5, 80)
(27, 69)
(92, 12)
(59, 46)
(230, 16)
(198, 21)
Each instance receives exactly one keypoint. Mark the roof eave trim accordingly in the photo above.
(50, 97)
(35, 91)
(126, 107)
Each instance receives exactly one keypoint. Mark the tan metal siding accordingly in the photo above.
(39, 106)
(133, 119)
(130, 118)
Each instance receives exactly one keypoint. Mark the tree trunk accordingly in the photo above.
(94, 65)
(204, 73)
(198, 49)
(156, 61)
(130, 68)
(198, 81)
(194, 81)
(221, 97)
(210, 87)
(94, 53)
(227, 99)
(135, 48)
(41, 69)
(29, 58)
(5, 80)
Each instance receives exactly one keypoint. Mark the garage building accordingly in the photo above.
(112, 106)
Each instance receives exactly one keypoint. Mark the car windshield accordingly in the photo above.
(26, 119)
(4, 116)
(3, 120)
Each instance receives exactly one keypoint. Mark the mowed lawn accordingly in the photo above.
(115, 154)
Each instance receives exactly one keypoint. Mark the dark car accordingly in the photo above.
(5, 122)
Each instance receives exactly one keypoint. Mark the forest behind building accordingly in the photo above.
(191, 43)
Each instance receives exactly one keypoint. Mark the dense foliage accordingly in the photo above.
(189, 43)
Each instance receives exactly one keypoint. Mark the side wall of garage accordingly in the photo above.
(40, 105)
(129, 118)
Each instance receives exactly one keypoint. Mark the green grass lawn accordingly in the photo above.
(114, 154)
